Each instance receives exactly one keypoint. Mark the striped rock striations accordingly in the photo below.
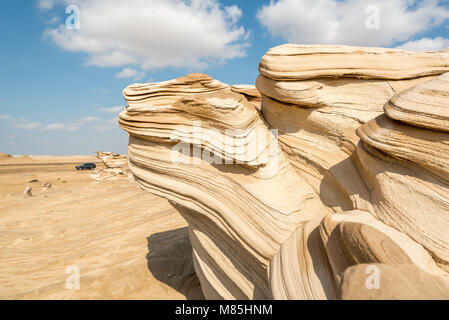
(115, 167)
(294, 190)
(405, 163)
(202, 143)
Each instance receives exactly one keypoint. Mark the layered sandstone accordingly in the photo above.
(115, 167)
(112, 160)
(286, 190)
(405, 162)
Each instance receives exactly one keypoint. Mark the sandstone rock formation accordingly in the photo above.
(402, 282)
(295, 193)
(250, 92)
(116, 167)
(406, 165)
(112, 160)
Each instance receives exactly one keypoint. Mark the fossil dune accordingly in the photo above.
(337, 164)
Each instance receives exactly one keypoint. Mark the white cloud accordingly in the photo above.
(53, 20)
(70, 127)
(345, 21)
(20, 124)
(154, 33)
(110, 124)
(233, 13)
(112, 110)
(89, 119)
(46, 4)
(426, 44)
(24, 124)
(130, 73)
(55, 127)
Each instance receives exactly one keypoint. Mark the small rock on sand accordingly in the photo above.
(27, 193)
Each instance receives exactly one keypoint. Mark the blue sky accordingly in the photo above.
(59, 87)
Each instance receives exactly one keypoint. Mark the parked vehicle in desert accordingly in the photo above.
(87, 166)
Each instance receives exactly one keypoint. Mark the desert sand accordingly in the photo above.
(127, 244)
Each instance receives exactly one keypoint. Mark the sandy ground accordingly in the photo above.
(125, 243)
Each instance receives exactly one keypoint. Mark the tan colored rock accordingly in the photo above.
(409, 199)
(424, 105)
(406, 167)
(28, 192)
(162, 94)
(250, 92)
(356, 237)
(247, 90)
(319, 145)
(112, 160)
(426, 148)
(301, 269)
(317, 115)
(282, 201)
(222, 122)
(303, 62)
(116, 167)
(365, 96)
(268, 201)
(395, 283)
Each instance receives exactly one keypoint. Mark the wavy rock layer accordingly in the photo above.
(233, 241)
(116, 167)
(407, 166)
(250, 92)
(112, 160)
(300, 62)
(317, 113)
(424, 106)
(286, 190)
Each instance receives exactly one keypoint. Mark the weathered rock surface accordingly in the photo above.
(116, 167)
(250, 92)
(301, 62)
(424, 106)
(233, 241)
(290, 193)
(112, 160)
(407, 167)
(403, 282)
(28, 192)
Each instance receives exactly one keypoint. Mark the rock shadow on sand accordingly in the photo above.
(170, 261)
